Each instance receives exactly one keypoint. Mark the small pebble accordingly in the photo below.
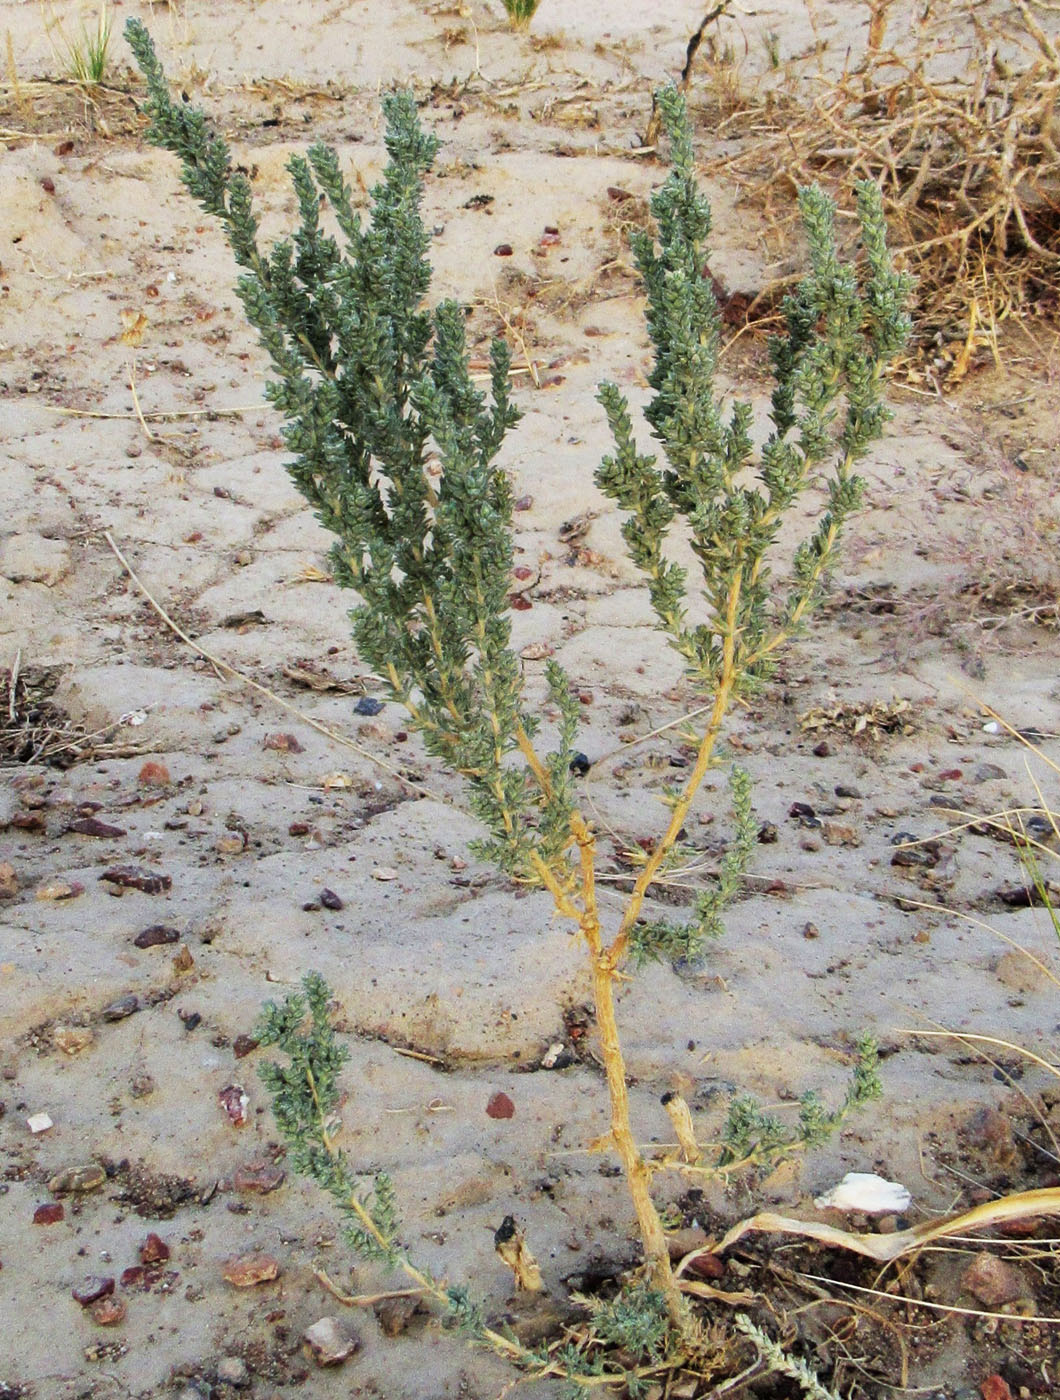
(50, 1213)
(154, 774)
(837, 834)
(328, 1342)
(988, 773)
(71, 1040)
(59, 889)
(330, 900)
(995, 1387)
(395, 1314)
(88, 1176)
(183, 960)
(39, 1123)
(368, 705)
(118, 1010)
(91, 1289)
(8, 880)
(153, 1249)
(92, 826)
(234, 1101)
(243, 1045)
(282, 743)
(108, 1312)
(259, 1177)
(232, 1370)
(557, 1056)
(500, 1106)
(135, 877)
(992, 1281)
(248, 1270)
(155, 936)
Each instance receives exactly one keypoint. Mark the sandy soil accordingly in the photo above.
(451, 985)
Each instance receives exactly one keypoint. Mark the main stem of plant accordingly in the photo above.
(605, 961)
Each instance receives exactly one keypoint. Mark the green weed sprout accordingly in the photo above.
(86, 57)
(375, 391)
(521, 12)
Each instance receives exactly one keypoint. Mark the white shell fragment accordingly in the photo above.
(39, 1123)
(866, 1192)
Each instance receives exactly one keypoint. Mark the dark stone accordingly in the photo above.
(155, 936)
(125, 1006)
(135, 877)
(92, 1288)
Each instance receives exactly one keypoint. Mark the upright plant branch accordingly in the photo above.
(396, 451)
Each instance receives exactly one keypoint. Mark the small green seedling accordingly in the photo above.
(87, 56)
(521, 12)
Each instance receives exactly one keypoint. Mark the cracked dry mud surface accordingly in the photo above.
(126, 1002)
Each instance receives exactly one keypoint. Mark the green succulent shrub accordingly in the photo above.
(373, 385)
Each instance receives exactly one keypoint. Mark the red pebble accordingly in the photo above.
(108, 1312)
(154, 774)
(48, 1214)
(154, 1250)
(282, 743)
(707, 1266)
(500, 1106)
(995, 1387)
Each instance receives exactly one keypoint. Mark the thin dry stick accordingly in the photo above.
(12, 683)
(155, 413)
(651, 136)
(151, 437)
(965, 1038)
(981, 923)
(231, 672)
(936, 1307)
(986, 1040)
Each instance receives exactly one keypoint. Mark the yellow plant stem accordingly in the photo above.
(605, 960)
(638, 1174)
(704, 758)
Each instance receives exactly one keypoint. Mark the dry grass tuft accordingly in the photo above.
(956, 118)
(34, 729)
